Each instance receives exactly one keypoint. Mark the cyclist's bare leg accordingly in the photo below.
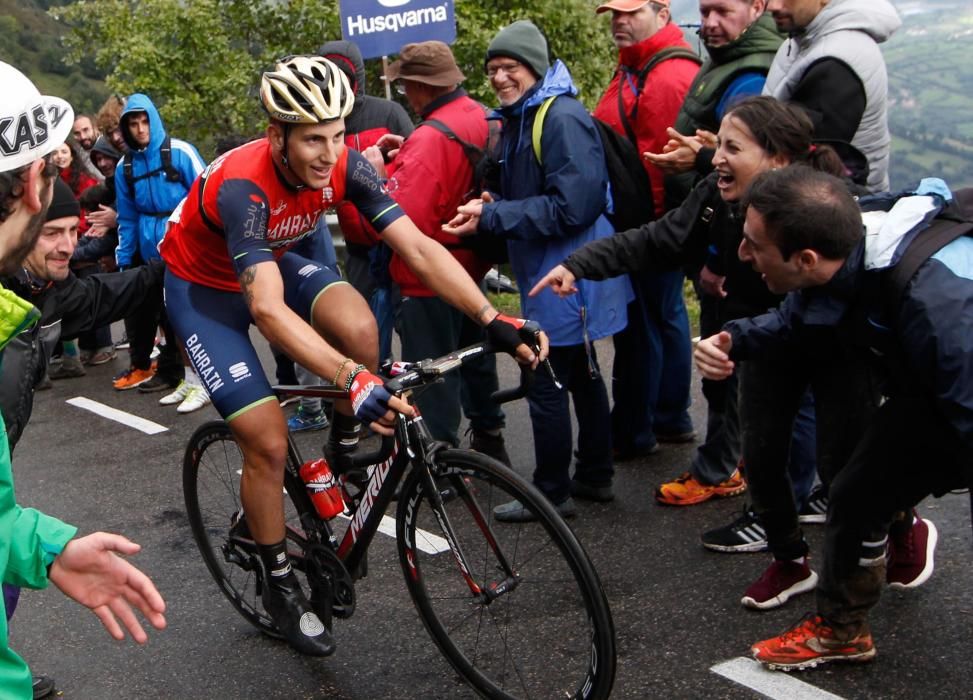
(342, 317)
(261, 433)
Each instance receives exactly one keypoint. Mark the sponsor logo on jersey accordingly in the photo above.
(239, 371)
(204, 366)
(293, 227)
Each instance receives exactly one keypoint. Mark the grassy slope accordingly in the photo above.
(31, 40)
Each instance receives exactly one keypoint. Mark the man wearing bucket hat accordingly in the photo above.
(35, 548)
(430, 177)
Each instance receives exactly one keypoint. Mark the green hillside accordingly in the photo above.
(931, 93)
(31, 40)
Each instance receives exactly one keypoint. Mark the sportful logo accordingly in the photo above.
(394, 21)
(239, 371)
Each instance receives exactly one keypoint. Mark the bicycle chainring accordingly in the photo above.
(326, 570)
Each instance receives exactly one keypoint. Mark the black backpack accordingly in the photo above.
(486, 176)
(165, 152)
(630, 187)
(485, 166)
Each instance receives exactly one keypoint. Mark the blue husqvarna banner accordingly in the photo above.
(382, 27)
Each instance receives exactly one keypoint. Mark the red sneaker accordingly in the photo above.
(810, 642)
(909, 560)
(780, 582)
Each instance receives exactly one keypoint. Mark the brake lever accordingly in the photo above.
(532, 330)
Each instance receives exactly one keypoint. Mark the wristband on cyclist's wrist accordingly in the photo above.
(340, 368)
(352, 374)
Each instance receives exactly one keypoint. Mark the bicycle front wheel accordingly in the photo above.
(528, 617)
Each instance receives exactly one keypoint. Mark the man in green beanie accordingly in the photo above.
(551, 201)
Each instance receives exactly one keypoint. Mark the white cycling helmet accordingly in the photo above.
(31, 125)
(306, 90)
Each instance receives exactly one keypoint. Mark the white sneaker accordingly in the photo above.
(195, 400)
(181, 392)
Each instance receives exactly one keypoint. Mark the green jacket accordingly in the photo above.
(29, 540)
(752, 51)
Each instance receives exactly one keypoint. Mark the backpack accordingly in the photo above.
(485, 166)
(631, 191)
(663, 55)
(486, 176)
(165, 151)
(954, 221)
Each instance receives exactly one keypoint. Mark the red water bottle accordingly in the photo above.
(323, 488)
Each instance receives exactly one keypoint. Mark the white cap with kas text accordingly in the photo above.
(31, 125)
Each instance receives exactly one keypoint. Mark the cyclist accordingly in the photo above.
(228, 266)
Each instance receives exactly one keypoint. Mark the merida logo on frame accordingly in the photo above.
(394, 21)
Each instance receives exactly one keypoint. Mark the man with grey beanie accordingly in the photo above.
(551, 200)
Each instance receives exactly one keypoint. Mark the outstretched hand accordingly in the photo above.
(467, 217)
(90, 571)
(679, 153)
(712, 283)
(712, 356)
(561, 281)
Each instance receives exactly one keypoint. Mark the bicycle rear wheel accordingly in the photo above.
(211, 473)
(544, 632)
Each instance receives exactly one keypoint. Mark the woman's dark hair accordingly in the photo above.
(76, 169)
(95, 195)
(785, 129)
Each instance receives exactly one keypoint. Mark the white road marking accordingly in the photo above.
(146, 426)
(773, 684)
(425, 541)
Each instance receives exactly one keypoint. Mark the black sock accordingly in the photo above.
(344, 435)
(277, 565)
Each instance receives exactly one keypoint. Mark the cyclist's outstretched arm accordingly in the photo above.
(440, 272)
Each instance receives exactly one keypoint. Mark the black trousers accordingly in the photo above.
(141, 327)
(907, 452)
(845, 396)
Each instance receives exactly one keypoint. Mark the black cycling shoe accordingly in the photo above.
(297, 621)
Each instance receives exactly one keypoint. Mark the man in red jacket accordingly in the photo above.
(430, 177)
(651, 372)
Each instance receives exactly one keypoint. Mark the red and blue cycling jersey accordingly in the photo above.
(241, 211)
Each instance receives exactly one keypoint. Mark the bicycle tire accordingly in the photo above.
(212, 466)
(551, 635)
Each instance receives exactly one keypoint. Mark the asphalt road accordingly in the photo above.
(675, 605)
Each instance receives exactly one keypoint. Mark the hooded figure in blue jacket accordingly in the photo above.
(144, 205)
(545, 209)
(150, 182)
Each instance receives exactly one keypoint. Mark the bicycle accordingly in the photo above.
(517, 609)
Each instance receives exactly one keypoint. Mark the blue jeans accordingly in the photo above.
(652, 371)
(550, 417)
